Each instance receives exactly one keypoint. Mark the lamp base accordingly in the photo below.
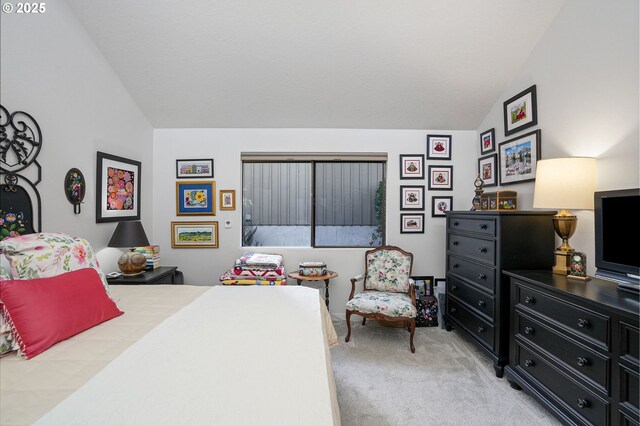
(132, 263)
(563, 262)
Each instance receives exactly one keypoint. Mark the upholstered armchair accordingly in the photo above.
(389, 292)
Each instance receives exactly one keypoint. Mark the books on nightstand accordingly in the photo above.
(152, 254)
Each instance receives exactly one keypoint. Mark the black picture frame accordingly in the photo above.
(438, 147)
(118, 188)
(488, 141)
(436, 210)
(440, 282)
(194, 168)
(424, 285)
(440, 178)
(488, 170)
(409, 160)
(412, 223)
(412, 197)
(520, 111)
(524, 173)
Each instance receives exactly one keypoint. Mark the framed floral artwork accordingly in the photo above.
(439, 147)
(441, 178)
(227, 199)
(412, 197)
(189, 169)
(411, 166)
(440, 205)
(196, 198)
(519, 158)
(520, 111)
(487, 170)
(194, 234)
(487, 141)
(117, 188)
(412, 223)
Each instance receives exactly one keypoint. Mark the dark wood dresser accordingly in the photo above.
(574, 347)
(480, 245)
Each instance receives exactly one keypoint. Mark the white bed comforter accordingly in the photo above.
(234, 356)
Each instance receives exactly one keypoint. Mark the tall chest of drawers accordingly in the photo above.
(574, 347)
(480, 245)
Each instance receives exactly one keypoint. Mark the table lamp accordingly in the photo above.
(565, 183)
(130, 233)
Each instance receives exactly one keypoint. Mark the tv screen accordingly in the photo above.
(617, 234)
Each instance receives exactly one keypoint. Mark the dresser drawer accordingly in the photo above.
(629, 342)
(568, 316)
(629, 388)
(479, 300)
(475, 325)
(579, 400)
(485, 226)
(482, 275)
(581, 360)
(473, 248)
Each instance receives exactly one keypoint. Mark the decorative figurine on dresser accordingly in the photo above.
(480, 245)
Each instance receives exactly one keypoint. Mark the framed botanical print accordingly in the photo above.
(520, 111)
(227, 199)
(412, 197)
(519, 158)
(117, 188)
(439, 147)
(487, 141)
(196, 198)
(440, 205)
(487, 170)
(194, 234)
(411, 166)
(189, 169)
(412, 223)
(441, 178)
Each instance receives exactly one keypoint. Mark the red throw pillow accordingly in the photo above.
(45, 311)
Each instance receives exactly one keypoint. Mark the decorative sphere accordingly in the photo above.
(132, 263)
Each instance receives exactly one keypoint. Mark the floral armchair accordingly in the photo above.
(389, 292)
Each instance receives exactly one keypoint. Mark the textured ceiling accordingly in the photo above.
(412, 64)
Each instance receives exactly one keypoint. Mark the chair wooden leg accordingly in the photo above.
(412, 326)
(346, 339)
(364, 320)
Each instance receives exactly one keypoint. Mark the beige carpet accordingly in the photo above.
(446, 382)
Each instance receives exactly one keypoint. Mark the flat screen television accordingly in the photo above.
(618, 237)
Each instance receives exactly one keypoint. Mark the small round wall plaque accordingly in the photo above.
(74, 188)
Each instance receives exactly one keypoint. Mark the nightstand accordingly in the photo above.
(161, 275)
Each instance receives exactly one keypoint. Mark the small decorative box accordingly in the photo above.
(312, 269)
(500, 200)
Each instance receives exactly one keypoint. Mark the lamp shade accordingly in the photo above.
(565, 183)
(129, 233)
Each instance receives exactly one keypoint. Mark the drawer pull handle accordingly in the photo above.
(455, 243)
(528, 330)
(480, 329)
(454, 287)
(483, 226)
(529, 300)
(482, 303)
(583, 403)
(482, 277)
(582, 362)
(529, 363)
(455, 265)
(583, 323)
(453, 310)
(483, 249)
(455, 223)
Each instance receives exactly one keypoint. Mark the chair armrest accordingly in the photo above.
(353, 284)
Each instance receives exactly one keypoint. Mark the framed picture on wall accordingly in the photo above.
(227, 199)
(194, 234)
(519, 157)
(441, 178)
(412, 223)
(189, 169)
(487, 169)
(439, 147)
(117, 188)
(196, 198)
(520, 111)
(411, 166)
(487, 141)
(440, 205)
(412, 197)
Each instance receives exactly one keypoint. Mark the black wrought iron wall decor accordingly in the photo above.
(74, 188)
(20, 144)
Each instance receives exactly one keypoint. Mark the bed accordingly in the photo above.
(185, 355)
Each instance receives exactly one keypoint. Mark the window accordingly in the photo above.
(317, 203)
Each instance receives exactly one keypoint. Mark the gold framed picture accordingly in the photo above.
(227, 199)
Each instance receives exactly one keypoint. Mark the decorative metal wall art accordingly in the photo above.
(75, 188)
(20, 144)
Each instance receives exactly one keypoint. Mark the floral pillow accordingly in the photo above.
(44, 255)
(388, 270)
(7, 342)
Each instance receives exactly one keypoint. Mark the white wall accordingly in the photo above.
(50, 68)
(204, 266)
(586, 71)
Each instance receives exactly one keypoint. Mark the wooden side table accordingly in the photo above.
(326, 278)
(161, 275)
